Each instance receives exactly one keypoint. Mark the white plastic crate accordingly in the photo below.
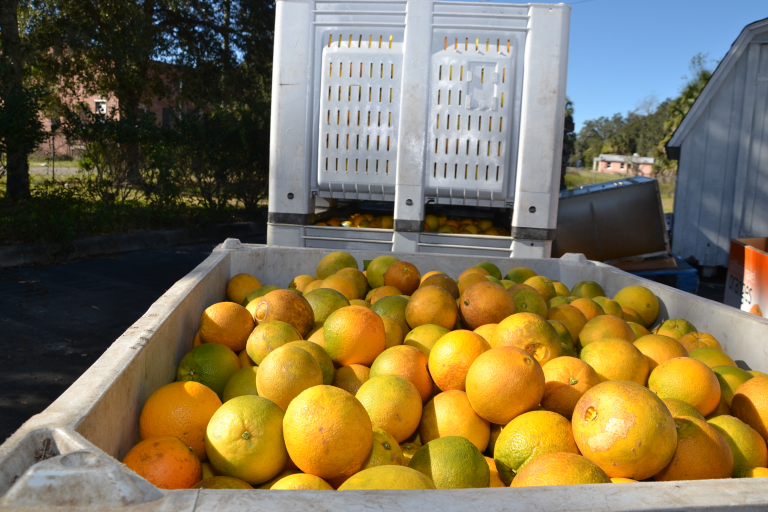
(418, 102)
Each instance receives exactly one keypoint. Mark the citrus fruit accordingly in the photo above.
(542, 285)
(730, 378)
(486, 331)
(688, 380)
(196, 340)
(520, 275)
(468, 280)
(260, 292)
(300, 282)
(425, 336)
(562, 331)
(701, 454)
(301, 481)
(679, 408)
(431, 305)
(245, 360)
(323, 302)
(560, 289)
(721, 409)
(609, 306)
(358, 278)
(623, 481)
(226, 323)
(587, 289)
(531, 333)
(393, 333)
(659, 349)
(333, 262)
(431, 273)
(503, 383)
(242, 382)
(180, 409)
(354, 335)
(495, 479)
(269, 336)
(387, 478)
(222, 482)
(314, 285)
(165, 462)
(570, 316)
(244, 439)
(642, 300)
(625, 429)
(409, 449)
(590, 308)
(211, 364)
(630, 315)
(638, 329)
(711, 357)
(566, 380)
(350, 378)
(404, 276)
(359, 302)
(393, 404)
(240, 286)
(485, 303)
(377, 268)
(408, 362)
(285, 373)
(757, 374)
(694, 340)
(556, 301)
(528, 436)
(431, 222)
(451, 357)
(560, 469)
(442, 281)
(676, 328)
(208, 470)
(376, 294)
(529, 301)
(522, 286)
(452, 463)
(288, 307)
(394, 308)
(320, 355)
(492, 269)
(384, 452)
(450, 414)
(748, 447)
(750, 404)
(327, 432)
(605, 326)
(474, 270)
(750, 472)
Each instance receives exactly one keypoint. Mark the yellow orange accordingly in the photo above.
(750, 472)
(485, 303)
(572, 317)
(605, 326)
(226, 323)
(750, 404)
(630, 315)
(659, 349)
(243, 382)
(354, 335)
(711, 357)
(393, 404)
(404, 276)
(590, 308)
(566, 380)
(350, 378)
(451, 357)
(286, 306)
(222, 482)
(470, 279)
(425, 336)
(560, 468)
(450, 414)
(609, 306)
(443, 281)
(642, 300)
(269, 336)
(301, 481)
(638, 329)
(240, 286)
(675, 328)
(486, 331)
(542, 285)
(531, 333)
(519, 274)
(616, 359)
(694, 340)
(587, 289)
(748, 447)
(342, 284)
(387, 478)
(333, 262)
(679, 408)
(384, 452)
(474, 270)
(431, 305)
(408, 362)
(688, 380)
(495, 480)
(165, 462)
(301, 282)
(382, 292)
(393, 333)
(701, 453)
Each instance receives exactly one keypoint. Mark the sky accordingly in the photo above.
(624, 51)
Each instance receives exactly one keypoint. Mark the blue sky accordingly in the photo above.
(622, 51)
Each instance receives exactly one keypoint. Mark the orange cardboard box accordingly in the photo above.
(746, 286)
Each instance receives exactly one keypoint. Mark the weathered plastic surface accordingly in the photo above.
(63, 456)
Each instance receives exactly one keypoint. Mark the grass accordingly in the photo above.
(575, 178)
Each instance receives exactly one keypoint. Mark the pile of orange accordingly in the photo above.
(390, 378)
(437, 222)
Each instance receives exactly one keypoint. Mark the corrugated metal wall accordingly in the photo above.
(722, 186)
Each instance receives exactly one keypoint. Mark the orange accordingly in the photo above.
(333, 262)
(342, 284)
(384, 452)
(387, 478)
(688, 380)
(431, 222)
(531, 333)
(354, 335)
(560, 289)
(679, 408)
(357, 277)
(747, 446)
(590, 308)
(587, 289)
(610, 307)
(404, 276)
(450, 414)
(382, 292)
(486, 331)
(243, 382)
(393, 404)
(244, 439)
(409, 449)
(288, 307)
(711, 357)
(182, 410)
(222, 482)
(529, 301)
(565, 336)
(301, 282)
(285, 373)
(350, 378)
(572, 317)
(425, 336)
(659, 349)
(430, 274)
(443, 281)
(750, 404)
(630, 315)
(522, 286)
(542, 285)
(616, 359)
(503, 383)
(625, 429)
(529, 436)
(566, 380)
(165, 462)
(491, 268)
(257, 293)
(211, 364)
(556, 301)
(393, 307)
(314, 285)
(240, 286)
(323, 302)
(451, 357)
(320, 355)
(485, 303)
(245, 360)
(269, 336)
(721, 409)
(474, 270)
(431, 305)
(377, 268)
(495, 433)
(561, 468)
(642, 300)
(694, 340)
(730, 378)
(701, 454)
(327, 432)
(470, 279)
(638, 329)
(196, 341)
(452, 462)
(755, 373)
(359, 302)
(520, 274)
(675, 328)
(393, 333)
(750, 472)
(408, 362)
(301, 481)
(605, 326)
(495, 480)
(226, 323)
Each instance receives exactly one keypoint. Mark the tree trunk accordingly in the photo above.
(17, 153)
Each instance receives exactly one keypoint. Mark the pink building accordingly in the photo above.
(634, 165)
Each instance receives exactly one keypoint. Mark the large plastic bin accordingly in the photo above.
(63, 456)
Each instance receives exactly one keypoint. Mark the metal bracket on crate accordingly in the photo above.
(533, 233)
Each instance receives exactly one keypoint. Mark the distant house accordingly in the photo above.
(634, 165)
